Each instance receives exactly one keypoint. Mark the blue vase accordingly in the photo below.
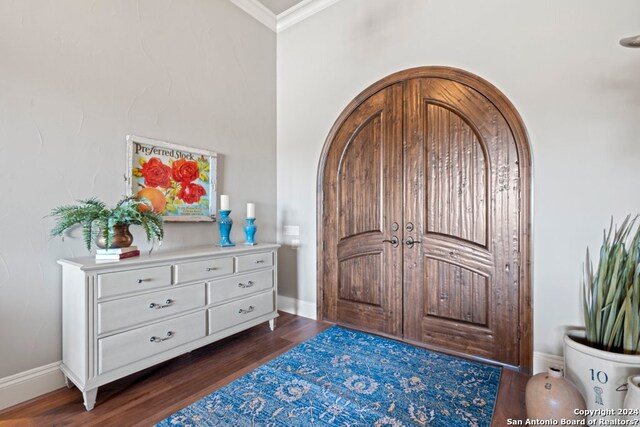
(225, 229)
(250, 232)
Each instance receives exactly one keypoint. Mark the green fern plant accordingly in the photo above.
(612, 293)
(94, 217)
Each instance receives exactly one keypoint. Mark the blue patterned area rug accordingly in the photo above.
(346, 378)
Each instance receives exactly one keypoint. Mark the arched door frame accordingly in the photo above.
(513, 119)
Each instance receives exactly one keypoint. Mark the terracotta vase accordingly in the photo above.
(549, 396)
(122, 238)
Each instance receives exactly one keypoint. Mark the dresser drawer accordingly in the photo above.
(131, 311)
(203, 270)
(125, 348)
(123, 282)
(238, 286)
(237, 312)
(251, 262)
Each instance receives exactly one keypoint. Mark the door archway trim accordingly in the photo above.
(521, 143)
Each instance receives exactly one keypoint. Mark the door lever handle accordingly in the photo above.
(410, 242)
(394, 241)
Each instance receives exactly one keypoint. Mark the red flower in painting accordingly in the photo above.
(191, 193)
(185, 171)
(156, 173)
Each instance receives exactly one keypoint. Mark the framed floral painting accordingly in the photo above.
(180, 182)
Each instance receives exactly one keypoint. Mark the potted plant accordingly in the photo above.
(109, 227)
(601, 358)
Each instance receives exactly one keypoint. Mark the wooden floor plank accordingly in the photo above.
(155, 393)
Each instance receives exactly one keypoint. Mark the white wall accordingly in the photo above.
(76, 76)
(559, 63)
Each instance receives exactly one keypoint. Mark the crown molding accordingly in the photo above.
(258, 11)
(286, 19)
(300, 12)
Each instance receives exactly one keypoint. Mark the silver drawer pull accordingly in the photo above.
(143, 280)
(248, 310)
(248, 285)
(166, 304)
(158, 339)
(212, 268)
(260, 261)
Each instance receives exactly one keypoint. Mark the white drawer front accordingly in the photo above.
(237, 312)
(238, 286)
(131, 311)
(125, 348)
(203, 270)
(123, 282)
(251, 262)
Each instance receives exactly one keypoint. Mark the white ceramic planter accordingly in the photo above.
(600, 376)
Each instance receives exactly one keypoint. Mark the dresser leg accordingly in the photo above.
(67, 381)
(272, 324)
(90, 398)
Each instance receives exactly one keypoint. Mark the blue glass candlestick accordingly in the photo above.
(250, 232)
(225, 229)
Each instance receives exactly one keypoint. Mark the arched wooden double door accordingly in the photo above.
(423, 216)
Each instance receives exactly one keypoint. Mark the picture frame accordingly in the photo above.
(179, 181)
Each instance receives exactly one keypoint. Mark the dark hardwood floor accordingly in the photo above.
(149, 396)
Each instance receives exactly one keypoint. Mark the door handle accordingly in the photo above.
(410, 242)
(394, 241)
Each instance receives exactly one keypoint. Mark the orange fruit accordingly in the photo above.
(155, 196)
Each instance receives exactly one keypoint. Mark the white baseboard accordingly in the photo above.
(543, 361)
(26, 385)
(297, 307)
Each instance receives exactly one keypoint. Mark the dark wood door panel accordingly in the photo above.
(466, 102)
(362, 196)
(468, 339)
(463, 170)
(356, 276)
(360, 202)
(456, 251)
(456, 177)
(455, 293)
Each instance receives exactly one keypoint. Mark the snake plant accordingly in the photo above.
(93, 215)
(612, 292)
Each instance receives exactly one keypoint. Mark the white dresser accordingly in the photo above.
(125, 316)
